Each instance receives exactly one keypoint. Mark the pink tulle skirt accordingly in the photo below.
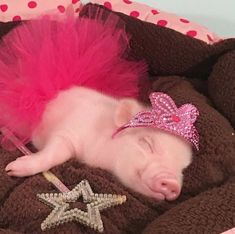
(41, 57)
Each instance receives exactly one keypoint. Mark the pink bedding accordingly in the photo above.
(162, 18)
(28, 9)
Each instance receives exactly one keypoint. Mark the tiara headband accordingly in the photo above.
(165, 116)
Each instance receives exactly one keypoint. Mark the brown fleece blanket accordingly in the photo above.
(189, 71)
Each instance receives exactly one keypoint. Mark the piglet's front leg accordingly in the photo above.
(57, 151)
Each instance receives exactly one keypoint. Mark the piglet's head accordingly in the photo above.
(156, 145)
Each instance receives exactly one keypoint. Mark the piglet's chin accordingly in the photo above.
(159, 196)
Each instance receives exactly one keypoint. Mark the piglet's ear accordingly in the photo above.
(126, 110)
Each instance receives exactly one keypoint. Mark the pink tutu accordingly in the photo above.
(41, 57)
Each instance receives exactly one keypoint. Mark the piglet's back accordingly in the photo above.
(74, 114)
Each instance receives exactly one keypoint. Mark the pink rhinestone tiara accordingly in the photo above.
(166, 116)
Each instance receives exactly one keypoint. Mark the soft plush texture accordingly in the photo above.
(27, 9)
(162, 18)
(189, 70)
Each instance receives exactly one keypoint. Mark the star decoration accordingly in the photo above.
(94, 202)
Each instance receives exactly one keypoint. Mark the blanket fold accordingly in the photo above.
(195, 215)
(188, 70)
(221, 85)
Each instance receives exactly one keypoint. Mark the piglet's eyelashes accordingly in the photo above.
(146, 143)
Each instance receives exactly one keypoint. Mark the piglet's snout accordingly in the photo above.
(167, 185)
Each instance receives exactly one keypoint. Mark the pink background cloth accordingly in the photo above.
(27, 9)
(162, 18)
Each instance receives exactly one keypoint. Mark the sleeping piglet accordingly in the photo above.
(144, 159)
(67, 86)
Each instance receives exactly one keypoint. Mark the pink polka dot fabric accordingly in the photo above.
(161, 18)
(25, 9)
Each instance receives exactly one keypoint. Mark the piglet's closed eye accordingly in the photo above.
(147, 144)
